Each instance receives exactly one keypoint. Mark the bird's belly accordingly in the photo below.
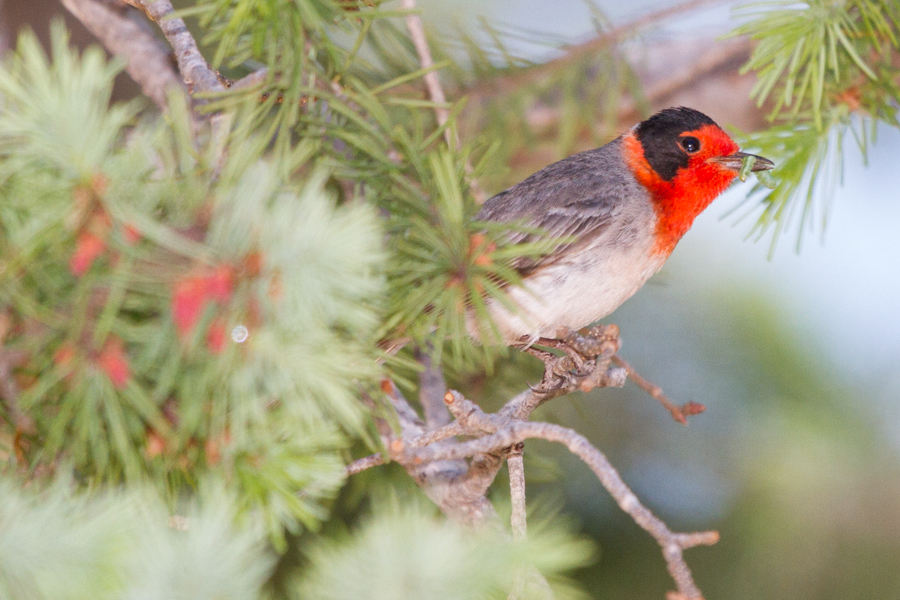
(576, 292)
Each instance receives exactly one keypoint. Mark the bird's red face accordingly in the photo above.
(685, 161)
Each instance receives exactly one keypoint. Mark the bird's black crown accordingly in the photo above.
(660, 137)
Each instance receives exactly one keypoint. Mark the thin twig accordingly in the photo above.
(197, 73)
(146, 58)
(679, 412)
(360, 465)
(254, 79)
(438, 435)
(432, 82)
(436, 92)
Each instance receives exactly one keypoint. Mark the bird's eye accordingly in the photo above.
(691, 144)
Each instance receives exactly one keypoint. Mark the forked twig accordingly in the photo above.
(501, 435)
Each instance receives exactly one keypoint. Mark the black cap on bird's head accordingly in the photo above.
(672, 136)
(671, 122)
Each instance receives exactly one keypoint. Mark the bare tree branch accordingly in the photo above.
(589, 355)
(439, 466)
(147, 60)
(457, 487)
(672, 544)
(448, 431)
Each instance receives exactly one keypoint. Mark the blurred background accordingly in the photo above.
(795, 355)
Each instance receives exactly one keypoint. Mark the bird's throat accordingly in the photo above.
(679, 200)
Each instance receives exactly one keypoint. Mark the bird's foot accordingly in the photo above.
(585, 362)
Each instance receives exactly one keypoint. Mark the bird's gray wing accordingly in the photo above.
(577, 198)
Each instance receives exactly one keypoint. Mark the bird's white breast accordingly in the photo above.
(588, 284)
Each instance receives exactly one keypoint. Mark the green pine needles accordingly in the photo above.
(191, 304)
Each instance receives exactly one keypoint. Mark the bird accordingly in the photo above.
(618, 212)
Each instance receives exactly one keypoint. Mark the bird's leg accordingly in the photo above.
(598, 341)
(557, 369)
(584, 354)
(576, 360)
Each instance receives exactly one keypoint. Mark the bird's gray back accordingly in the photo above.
(591, 183)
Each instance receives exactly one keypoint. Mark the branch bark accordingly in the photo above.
(197, 73)
(516, 465)
(432, 388)
(358, 466)
(147, 60)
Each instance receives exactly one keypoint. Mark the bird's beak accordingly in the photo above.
(735, 162)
